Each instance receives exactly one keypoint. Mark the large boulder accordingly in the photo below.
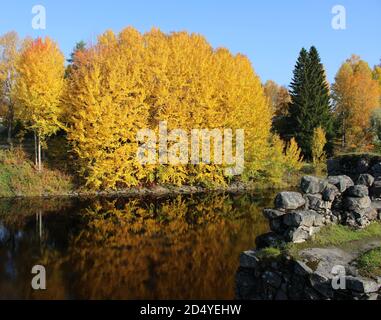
(316, 202)
(307, 218)
(273, 213)
(312, 185)
(365, 180)
(375, 190)
(330, 193)
(289, 200)
(357, 204)
(298, 235)
(341, 182)
(376, 169)
(358, 191)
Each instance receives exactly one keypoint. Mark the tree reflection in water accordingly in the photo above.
(184, 247)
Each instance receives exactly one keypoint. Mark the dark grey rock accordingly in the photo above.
(357, 204)
(272, 213)
(248, 259)
(270, 239)
(277, 226)
(365, 180)
(312, 185)
(272, 279)
(300, 218)
(316, 202)
(375, 190)
(330, 192)
(298, 235)
(357, 191)
(289, 200)
(376, 170)
(341, 182)
(362, 166)
(361, 285)
(302, 269)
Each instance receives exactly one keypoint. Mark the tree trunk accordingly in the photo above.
(10, 123)
(39, 154)
(35, 150)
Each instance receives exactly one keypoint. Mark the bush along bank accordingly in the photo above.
(314, 272)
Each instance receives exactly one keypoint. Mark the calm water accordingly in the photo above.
(184, 247)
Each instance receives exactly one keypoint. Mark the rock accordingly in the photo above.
(376, 170)
(362, 166)
(322, 285)
(316, 203)
(277, 226)
(361, 285)
(341, 182)
(365, 180)
(248, 259)
(272, 213)
(272, 279)
(330, 192)
(357, 204)
(312, 185)
(300, 218)
(302, 269)
(289, 200)
(357, 191)
(298, 235)
(375, 190)
(270, 239)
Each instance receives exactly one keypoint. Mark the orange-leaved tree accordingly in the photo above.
(39, 87)
(356, 96)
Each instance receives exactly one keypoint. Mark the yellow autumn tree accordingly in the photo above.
(293, 156)
(105, 99)
(10, 49)
(39, 88)
(356, 95)
(131, 81)
(319, 142)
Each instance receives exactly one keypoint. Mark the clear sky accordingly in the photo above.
(270, 32)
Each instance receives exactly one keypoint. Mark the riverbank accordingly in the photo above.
(20, 179)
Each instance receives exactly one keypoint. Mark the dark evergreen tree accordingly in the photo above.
(310, 101)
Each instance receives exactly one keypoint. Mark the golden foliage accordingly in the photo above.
(131, 81)
(318, 144)
(356, 95)
(294, 158)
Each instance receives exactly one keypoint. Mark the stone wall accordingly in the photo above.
(283, 278)
(296, 217)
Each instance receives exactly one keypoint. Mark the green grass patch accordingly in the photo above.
(338, 236)
(18, 177)
(369, 264)
(269, 253)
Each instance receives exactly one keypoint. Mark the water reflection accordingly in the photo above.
(184, 247)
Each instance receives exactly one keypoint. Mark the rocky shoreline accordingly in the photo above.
(295, 218)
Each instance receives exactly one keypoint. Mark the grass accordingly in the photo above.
(18, 177)
(369, 264)
(269, 253)
(338, 236)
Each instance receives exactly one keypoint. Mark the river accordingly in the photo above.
(179, 247)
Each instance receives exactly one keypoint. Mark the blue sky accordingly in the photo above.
(270, 32)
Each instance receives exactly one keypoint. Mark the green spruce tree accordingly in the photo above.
(310, 101)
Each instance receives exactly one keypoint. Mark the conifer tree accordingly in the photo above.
(310, 101)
